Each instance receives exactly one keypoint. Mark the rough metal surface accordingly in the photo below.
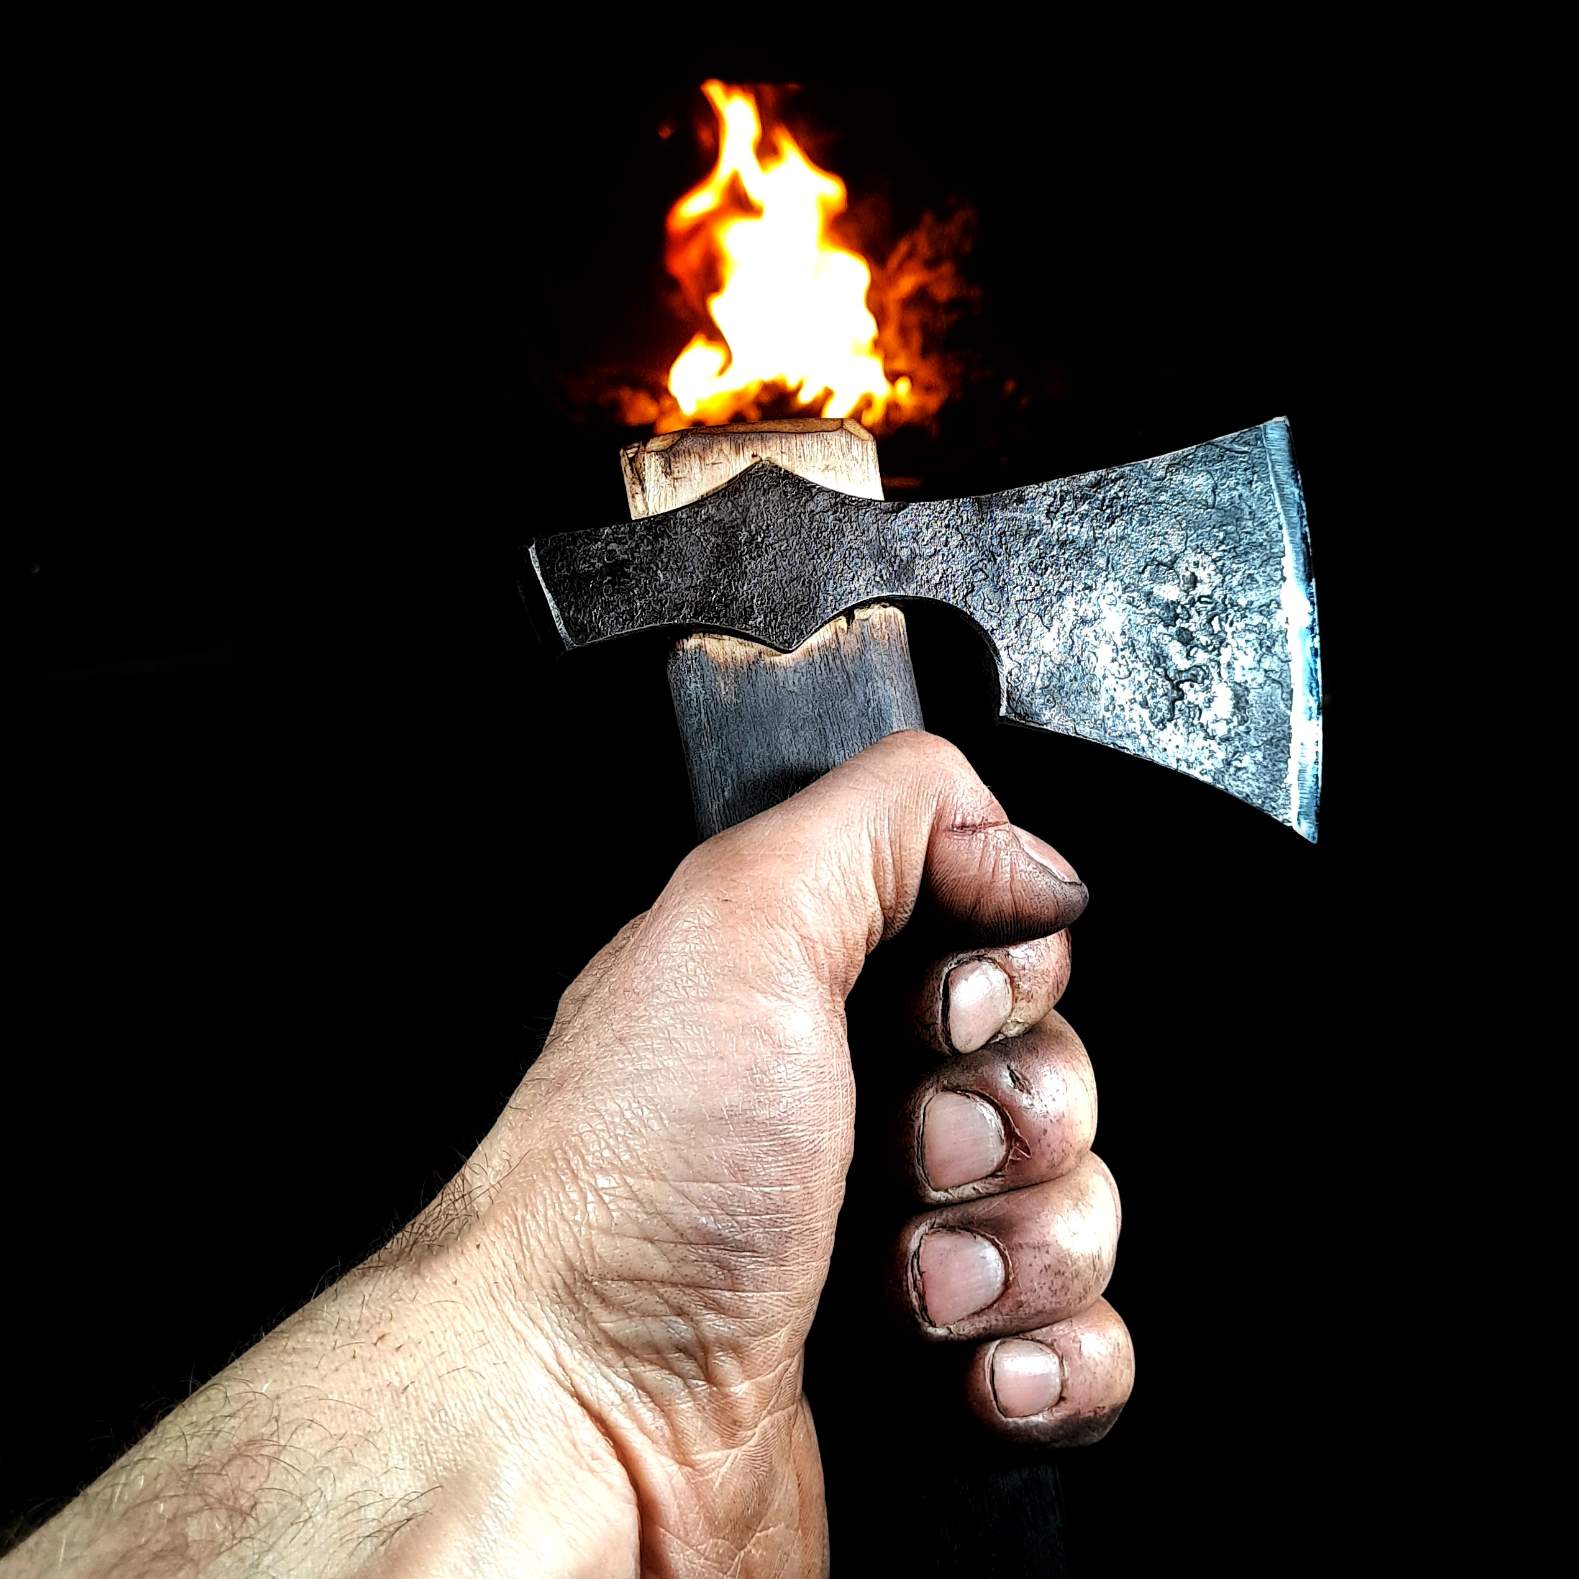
(1165, 608)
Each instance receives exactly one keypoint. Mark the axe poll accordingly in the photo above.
(1165, 608)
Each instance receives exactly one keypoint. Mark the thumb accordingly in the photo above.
(844, 864)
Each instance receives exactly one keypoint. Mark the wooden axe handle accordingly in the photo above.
(757, 725)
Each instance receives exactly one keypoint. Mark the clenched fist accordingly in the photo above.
(586, 1356)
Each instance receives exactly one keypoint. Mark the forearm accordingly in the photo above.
(302, 1458)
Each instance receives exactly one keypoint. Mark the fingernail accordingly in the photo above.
(961, 1273)
(1027, 1377)
(1041, 850)
(962, 1139)
(979, 999)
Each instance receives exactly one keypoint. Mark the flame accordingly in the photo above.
(790, 305)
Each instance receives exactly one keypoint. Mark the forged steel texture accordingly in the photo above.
(1165, 607)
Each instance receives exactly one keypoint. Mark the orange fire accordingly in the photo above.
(788, 302)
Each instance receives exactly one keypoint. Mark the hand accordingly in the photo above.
(585, 1356)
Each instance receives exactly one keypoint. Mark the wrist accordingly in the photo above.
(514, 1472)
(393, 1423)
(686, 1427)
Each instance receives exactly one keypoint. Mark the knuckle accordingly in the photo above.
(1038, 971)
(1100, 1179)
(1088, 1427)
(921, 747)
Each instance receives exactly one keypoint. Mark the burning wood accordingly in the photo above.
(795, 321)
(790, 308)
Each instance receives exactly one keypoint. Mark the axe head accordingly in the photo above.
(1165, 608)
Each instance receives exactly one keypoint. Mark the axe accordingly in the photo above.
(1165, 608)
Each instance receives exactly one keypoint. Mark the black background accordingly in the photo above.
(289, 943)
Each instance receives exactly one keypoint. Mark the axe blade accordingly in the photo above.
(1165, 608)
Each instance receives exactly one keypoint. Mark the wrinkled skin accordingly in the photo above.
(585, 1357)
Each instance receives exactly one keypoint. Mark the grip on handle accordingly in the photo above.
(758, 725)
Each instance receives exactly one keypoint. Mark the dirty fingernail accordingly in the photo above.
(1027, 1377)
(979, 999)
(962, 1140)
(1041, 850)
(961, 1273)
